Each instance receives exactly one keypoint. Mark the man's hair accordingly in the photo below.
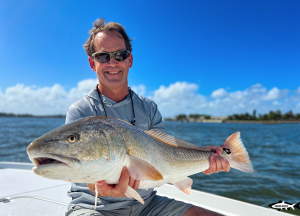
(100, 26)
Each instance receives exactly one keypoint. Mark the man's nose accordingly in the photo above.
(113, 62)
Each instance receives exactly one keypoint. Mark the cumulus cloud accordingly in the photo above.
(139, 89)
(180, 96)
(177, 98)
(48, 100)
(43, 100)
(275, 94)
(219, 93)
(183, 97)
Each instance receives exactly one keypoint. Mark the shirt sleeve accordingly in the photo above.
(156, 120)
(78, 110)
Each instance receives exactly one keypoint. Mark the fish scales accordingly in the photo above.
(97, 148)
(167, 159)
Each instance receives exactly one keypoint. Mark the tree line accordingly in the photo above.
(2, 114)
(272, 115)
(183, 117)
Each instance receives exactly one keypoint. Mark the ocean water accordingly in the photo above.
(274, 151)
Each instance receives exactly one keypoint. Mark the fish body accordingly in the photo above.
(284, 205)
(97, 148)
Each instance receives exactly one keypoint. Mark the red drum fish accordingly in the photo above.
(97, 148)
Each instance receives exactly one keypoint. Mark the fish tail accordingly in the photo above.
(236, 153)
(297, 205)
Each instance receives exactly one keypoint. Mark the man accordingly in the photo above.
(110, 56)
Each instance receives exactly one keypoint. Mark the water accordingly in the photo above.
(274, 151)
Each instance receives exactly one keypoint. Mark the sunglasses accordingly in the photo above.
(104, 57)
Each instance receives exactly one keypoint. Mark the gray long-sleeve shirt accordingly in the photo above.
(147, 117)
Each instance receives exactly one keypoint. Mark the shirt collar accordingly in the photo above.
(109, 102)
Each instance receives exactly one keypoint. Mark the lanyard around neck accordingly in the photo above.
(132, 122)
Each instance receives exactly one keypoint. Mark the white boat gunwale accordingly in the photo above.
(53, 198)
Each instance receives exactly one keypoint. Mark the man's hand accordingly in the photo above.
(217, 163)
(116, 190)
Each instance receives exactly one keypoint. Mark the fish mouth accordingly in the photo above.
(40, 161)
(52, 160)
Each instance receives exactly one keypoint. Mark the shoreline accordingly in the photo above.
(32, 116)
(165, 120)
(243, 121)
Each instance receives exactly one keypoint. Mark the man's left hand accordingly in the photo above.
(217, 163)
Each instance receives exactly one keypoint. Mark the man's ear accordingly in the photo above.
(92, 63)
(130, 60)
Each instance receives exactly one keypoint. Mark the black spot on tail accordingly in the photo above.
(227, 150)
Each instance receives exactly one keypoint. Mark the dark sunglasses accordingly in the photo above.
(104, 57)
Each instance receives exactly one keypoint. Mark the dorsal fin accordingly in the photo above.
(125, 122)
(173, 141)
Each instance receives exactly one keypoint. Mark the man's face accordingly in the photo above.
(114, 73)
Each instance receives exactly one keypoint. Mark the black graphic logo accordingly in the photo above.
(284, 205)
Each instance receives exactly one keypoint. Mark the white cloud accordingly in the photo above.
(219, 93)
(275, 94)
(44, 100)
(139, 89)
(177, 98)
(182, 97)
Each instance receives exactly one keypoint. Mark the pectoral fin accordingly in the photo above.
(131, 193)
(184, 185)
(141, 170)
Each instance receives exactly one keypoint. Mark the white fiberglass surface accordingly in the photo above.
(14, 183)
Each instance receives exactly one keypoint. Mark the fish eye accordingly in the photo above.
(72, 138)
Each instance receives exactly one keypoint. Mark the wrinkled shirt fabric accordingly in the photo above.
(147, 117)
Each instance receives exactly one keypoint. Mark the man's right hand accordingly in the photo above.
(116, 190)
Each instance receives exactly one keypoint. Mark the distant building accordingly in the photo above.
(219, 117)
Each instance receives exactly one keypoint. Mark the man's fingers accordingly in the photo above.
(136, 184)
(218, 164)
(212, 166)
(123, 182)
(225, 165)
(131, 181)
(103, 188)
(222, 164)
(216, 149)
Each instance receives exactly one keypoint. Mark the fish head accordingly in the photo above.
(64, 153)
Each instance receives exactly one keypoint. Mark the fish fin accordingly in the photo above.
(125, 122)
(184, 185)
(239, 158)
(96, 196)
(131, 193)
(173, 141)
(141, 170)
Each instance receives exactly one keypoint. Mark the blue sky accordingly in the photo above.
(194, 47)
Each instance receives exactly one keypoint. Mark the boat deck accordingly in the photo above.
(28, 194)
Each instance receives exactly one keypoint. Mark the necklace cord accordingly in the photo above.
(132, 122)
(132, 106)
(101, 100)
